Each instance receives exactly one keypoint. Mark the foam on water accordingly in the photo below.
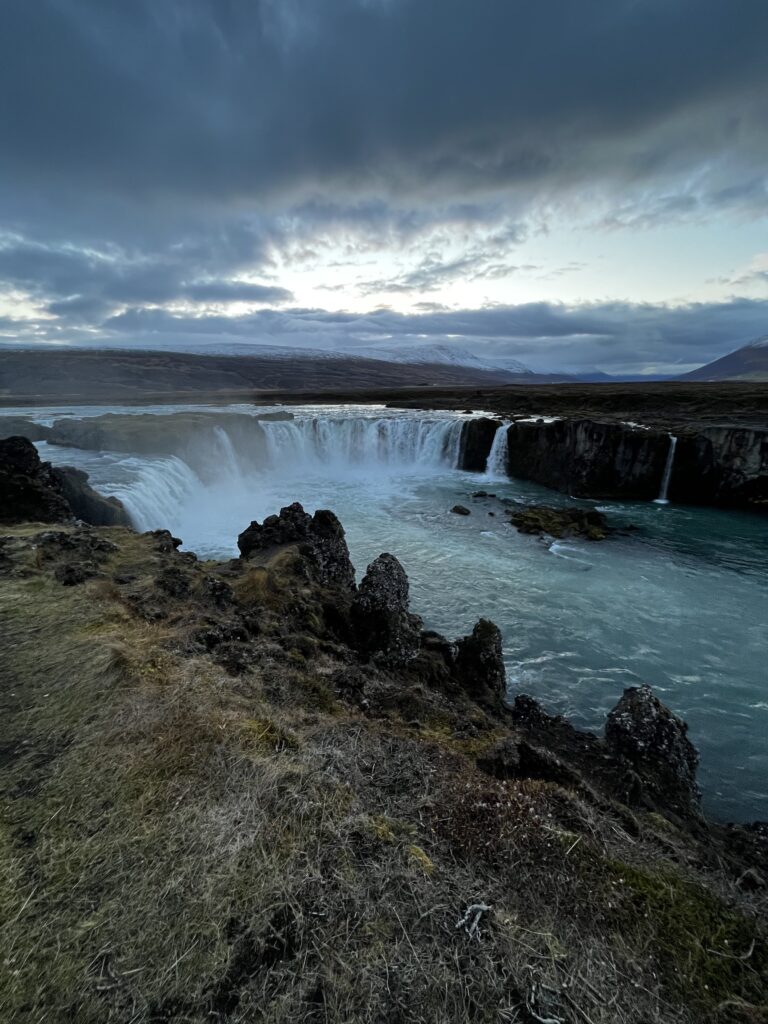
(682, 604)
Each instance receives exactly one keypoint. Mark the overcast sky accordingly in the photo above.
(577, 184)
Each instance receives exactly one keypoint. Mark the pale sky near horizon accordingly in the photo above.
(577, 186)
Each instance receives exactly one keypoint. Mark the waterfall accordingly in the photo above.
(226, 450)
(154, 490)
(662, 498)
(228, 467)
(388, 441)
(496, 465)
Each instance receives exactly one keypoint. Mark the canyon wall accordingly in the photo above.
(726, 466)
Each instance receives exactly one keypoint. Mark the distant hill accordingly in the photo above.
(747, 363)
(91, 375)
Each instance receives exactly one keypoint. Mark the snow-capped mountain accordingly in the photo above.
(750, 362)
(407, 353)
(451, 355)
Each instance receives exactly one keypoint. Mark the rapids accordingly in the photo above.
(681, 604)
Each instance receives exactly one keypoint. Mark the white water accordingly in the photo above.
(662, 498)
(682, 604)
(496, 466)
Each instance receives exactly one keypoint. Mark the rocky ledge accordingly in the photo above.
(257, 789)
(725, 466)
(34, 490)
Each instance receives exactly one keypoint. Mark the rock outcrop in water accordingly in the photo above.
(32, 490)
(587, 523)
(317, 774)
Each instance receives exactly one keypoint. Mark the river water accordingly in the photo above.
(681, 604)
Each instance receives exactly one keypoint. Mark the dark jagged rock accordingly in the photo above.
(383, 627)
(460, 510)
(561, 522)
(320, 539)
(476, 440)
(479, 664)
(87, 504)
(30, 491)
(35, 491)
(644, 733)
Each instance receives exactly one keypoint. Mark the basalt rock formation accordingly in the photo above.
(643, 732)
(724, 466)
(320, 539)
(384, 628)
(589, 459)
(476, 439)
(87, 504)
(29, 490)
(32, 490)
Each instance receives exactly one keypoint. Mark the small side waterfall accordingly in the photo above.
(496, 465)
(662, 498)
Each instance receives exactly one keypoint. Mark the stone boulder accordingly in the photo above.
(645, 734)
(479, 664)
(29, 489)
(384, 629)
(320, 540)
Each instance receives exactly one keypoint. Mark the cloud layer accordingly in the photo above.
(169, 163)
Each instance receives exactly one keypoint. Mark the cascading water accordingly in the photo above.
(400, 442)
(662, 498)
(496, 465)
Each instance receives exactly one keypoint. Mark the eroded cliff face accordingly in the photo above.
(589, 459)
(722, 466)
(725, 466)
(476, 439)
(34, 490)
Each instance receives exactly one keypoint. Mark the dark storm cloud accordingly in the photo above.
(159, 152)
(616, 337)
(85, 284)
(254, 98)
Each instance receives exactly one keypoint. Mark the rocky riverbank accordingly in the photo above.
(256, 789)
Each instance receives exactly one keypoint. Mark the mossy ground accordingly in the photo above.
(181, 843)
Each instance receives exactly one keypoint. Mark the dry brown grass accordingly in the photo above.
(178, 844)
